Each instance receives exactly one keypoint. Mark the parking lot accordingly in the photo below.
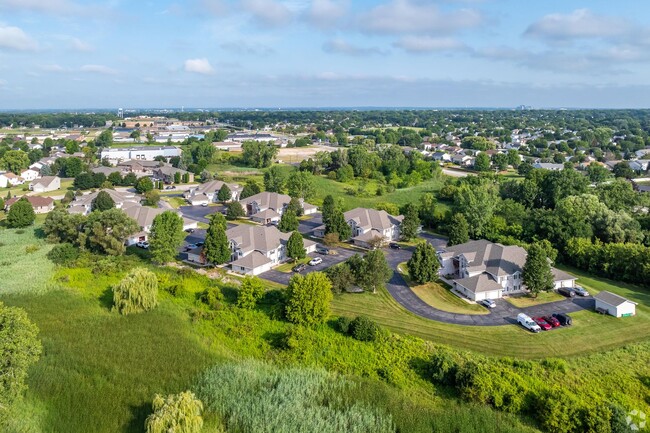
(199, 213)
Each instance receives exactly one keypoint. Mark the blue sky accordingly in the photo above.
(324, 53)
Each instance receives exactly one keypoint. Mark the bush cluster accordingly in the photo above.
(360, 328)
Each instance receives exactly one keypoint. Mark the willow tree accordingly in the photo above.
(179, 413)
(137, 292)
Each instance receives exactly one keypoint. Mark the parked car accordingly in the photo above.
(189, 230)
(394, 246)
(190, 247)
(528, 323)
(564, 319)
(204, 204)
(489, 303)
(170, 187)
(143, 244)
(580, 291)
(200, 244)
(567, 291)
(552, 321)
(320, 249)
(299, 268)
(542, 323)
(315, 261)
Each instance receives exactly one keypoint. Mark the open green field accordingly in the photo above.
(591, 332)
(439, 297)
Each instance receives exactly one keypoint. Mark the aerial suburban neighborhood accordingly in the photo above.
(324, 216)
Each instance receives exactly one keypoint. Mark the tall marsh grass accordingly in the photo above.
(252, 396)
(24, 266)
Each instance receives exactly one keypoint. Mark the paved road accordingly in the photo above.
(457, 173)
(307, 226)
(329, 260)
(199, 213)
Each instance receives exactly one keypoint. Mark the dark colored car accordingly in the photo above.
(552, 321)
(299, 268)
(566, 291)
(542, 323)
(189, 230)
(200, 244)
(394, 246)
(564, 319)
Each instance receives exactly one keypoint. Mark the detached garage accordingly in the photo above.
(614, 305)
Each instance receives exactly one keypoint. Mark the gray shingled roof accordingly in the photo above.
(372, 219)
(252, 260)
(479, 283)
(483, 255)
(612, 298)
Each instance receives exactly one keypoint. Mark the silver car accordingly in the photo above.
(489, 303)
(580, 291)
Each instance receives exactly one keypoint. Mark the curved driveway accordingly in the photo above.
(503, 314)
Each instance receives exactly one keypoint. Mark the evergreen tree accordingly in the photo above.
(328, 208)
(217, 247)
(308, 299)
(296, 246)
(21, 214)
(338, 224)
(250, 188)
(105, 232)
(166, 236)
(410, 223)
(102, 202)
(423, 265)
(234, 210)
(458, 230)
(537, 273)
(289, 222)
(224, 193)
(296, 206)
(374, 272)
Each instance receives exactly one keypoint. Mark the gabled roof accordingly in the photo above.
(168, 170)
(266, 200)
(143, 215)
(45, 181)
(479, 283)
(260, 238)
(214, 186)
(612, 299)
(483, 255)
(118, 197)
(372, 219)
(252, 260)
(266, 213)
(34, 200)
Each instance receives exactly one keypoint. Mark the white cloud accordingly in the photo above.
(268, 12)
(409, 16)
(340, 46)
(98, 69)
(79, 45)
(15, 39)
(423, 44)
(53, 68)
(581, 23)
(326, 13)
(199, 66)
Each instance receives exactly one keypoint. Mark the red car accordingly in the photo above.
(552, 321)
(542, 323)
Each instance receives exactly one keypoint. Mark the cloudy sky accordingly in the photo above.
(324, 53)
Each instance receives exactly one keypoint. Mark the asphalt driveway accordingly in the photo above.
(200, 213)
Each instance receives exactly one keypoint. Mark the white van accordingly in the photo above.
(528, 323)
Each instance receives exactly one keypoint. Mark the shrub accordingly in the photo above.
(21, 214)
(137, 292)
(177, 413)
(250, 292)
(63, 254)
(364, 329)
(444, 366)
(212, 297)
(29, 249)
(342, 325)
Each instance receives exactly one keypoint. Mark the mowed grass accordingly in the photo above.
(66, 185)
(438, 296)
(591, 332)
(24, 266)
(528, 301)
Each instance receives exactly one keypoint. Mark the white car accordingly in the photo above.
(142, 244)
(528, 323)
(315, 261)
(489, 303)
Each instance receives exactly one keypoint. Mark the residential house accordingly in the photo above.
(10, 179)
(40, 204)
(267, 207)
(46, 184)
(369, 225)
(167, 174)
(30, 174)
(140, 168)
(144, 216)
(462, 160)
(255, 249)
(144, 153)
(614, 304)
(122, 200)
(207, 192)
(548, 166)
(485, 270)
(442, 156)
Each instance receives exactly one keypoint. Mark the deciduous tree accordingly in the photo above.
(537, 273)
(234, 210)
(288, 222)
(274, 180)
(144, 184)
(137, 292)
(296, 246)
(250, 188)
(308, 299)
(179, 413)
(106, 231)
(250, 292)
(375, 271)
(300, 184)
(166, 236)
(21, 214)
(102, 202)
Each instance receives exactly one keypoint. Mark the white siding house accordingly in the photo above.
(614, 305)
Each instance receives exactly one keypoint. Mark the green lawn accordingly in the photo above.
(175, 202)
(590, 333)
(528, 301)
(439, 297)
